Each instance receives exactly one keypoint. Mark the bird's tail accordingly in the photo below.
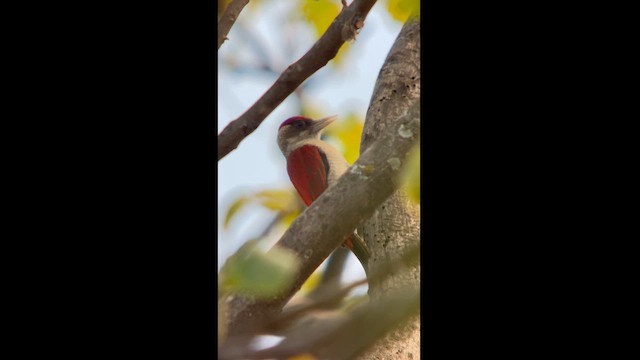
(359, 249)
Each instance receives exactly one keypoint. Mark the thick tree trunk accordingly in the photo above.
(395, 226)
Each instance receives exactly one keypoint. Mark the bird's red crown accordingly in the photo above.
(291, 120)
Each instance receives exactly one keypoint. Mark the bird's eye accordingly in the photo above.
(298, 124)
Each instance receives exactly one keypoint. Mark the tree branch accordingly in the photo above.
(323, 226)
(229, 17)
(292, 313)
(307, 325)
(371, 322)
(332, 273)
(330, 335)
(239, 346)
(345, 26)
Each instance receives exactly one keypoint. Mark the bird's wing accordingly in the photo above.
(308, 169)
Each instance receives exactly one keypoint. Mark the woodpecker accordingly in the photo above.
(314, 165)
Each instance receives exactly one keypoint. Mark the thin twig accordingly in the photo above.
(333, 271)
(229, 17)
(288, 316)
(294, 312)
(343, 28)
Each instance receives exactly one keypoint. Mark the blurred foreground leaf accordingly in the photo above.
(288, 219)
(277, 200)
(410, 175)
(253, 272)
(401, 9)
(285, 202)
(233, 209)
(319, 14)
(312, 282)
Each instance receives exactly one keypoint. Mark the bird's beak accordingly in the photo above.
(320, 124)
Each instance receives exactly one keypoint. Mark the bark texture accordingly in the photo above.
(323, 226)
(395, 225)
(228, 18)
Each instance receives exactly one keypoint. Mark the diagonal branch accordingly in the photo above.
(331, 336)
(308, 327)
(323, 226)
(229, 17)
(343, 28)
(338, 342)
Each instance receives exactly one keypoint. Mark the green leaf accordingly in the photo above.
(410, 175)
(233, 210)
(252, 272)
(401, 9)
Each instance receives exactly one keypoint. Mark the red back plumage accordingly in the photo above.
(308, 169)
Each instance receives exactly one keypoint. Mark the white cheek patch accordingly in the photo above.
(292, 142)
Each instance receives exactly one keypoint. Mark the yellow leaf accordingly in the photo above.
(410, 175)
(233, 209)
(278, 200)
(348, 133)
(289, 217)
(320, 13)
(311, 282)
(401, 9)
